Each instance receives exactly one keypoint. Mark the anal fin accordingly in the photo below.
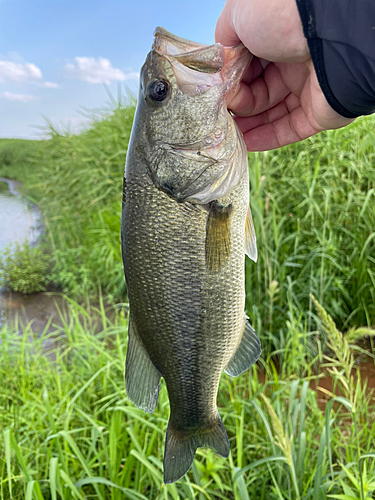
(247, 353)
(142, 379)
(250, 238)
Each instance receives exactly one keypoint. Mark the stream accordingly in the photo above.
(21, 221)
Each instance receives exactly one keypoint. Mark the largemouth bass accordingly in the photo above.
(186, 226)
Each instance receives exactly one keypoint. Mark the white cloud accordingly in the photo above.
(50, 85)
(19, 97)
(99, 70)
(18, 72)
(132, 75)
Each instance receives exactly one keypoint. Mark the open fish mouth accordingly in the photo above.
(196, 56)
(198, 67)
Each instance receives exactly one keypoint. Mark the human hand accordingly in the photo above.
(279, 101)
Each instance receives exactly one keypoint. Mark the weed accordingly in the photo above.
(24, 269)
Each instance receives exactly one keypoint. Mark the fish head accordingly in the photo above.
(182, 101)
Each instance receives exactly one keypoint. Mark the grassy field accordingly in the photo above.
(67, 428)
(69, 431)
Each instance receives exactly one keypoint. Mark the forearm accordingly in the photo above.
(341, 39)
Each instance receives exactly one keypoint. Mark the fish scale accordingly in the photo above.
(184, 254)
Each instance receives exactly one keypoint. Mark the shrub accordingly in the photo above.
(23, 269)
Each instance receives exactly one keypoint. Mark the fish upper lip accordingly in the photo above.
(198, 145)
(194, 147)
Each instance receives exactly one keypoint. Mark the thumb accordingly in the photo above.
(224, 31)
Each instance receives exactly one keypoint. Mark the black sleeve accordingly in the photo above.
(341, 39)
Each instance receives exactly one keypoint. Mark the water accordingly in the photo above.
(18, 220)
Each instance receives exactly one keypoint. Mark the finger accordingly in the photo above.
(224, 31)
(270, 29)
(261, 94)
(289, 104)
(290, 128)
(294, 76)
(255, 70)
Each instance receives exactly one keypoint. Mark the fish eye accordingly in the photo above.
(158, 90)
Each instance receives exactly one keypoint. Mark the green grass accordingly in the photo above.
(23, 269)
(67, 429)
(17, 158)
(314, 211)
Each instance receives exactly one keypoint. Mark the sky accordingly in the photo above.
(59, 59)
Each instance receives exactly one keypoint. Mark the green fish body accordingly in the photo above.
(186, 226)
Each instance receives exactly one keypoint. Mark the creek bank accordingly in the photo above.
(22, 221)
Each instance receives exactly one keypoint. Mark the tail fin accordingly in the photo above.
(180, 448)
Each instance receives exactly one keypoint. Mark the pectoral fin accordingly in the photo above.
(218, 240)
(142, 380)
(247, 353)
(250, 238)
